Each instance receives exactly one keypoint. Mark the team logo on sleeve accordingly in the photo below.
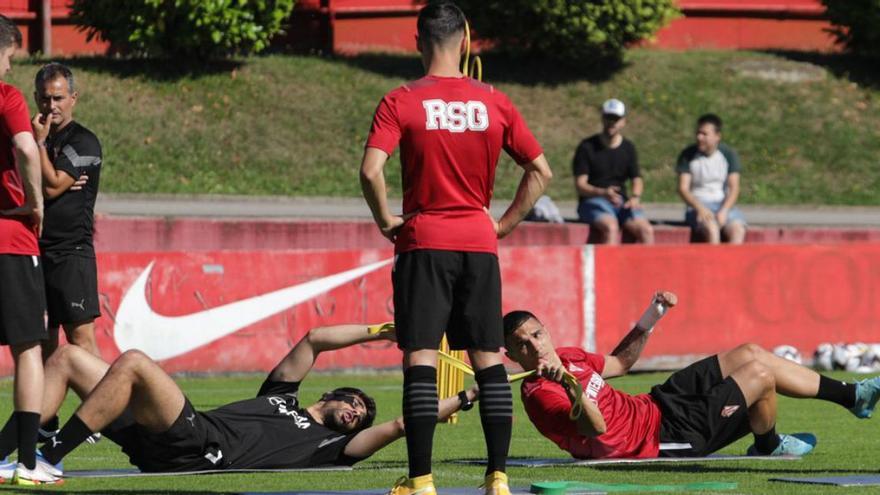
(456, 116)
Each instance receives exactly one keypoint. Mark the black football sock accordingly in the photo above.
(71, 435)
(496, 414)
(28, 424)
(420, 410)
(836, 391)
(9, 436)
(767, 442)
(51, 426)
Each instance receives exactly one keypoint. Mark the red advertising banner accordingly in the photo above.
(728, 295)
(229, 311)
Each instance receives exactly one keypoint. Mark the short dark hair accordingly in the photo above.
(515, 319)
(9, 33)
(709, 118)
(368, 401)
(438, 21)
(52, 71)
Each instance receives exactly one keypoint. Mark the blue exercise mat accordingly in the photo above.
(568, 461)
(857, 480)
(133, 472)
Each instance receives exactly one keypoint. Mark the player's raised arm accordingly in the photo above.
(630, 348)
(299, 361)
(374, 438)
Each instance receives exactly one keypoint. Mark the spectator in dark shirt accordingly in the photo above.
(603, 163)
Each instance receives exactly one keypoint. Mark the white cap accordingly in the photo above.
(613, 107)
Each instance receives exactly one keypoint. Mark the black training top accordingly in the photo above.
(606, 166)
(70, 218)
(272, 431)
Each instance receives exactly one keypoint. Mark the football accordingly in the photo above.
(789, 352)
(823, 358)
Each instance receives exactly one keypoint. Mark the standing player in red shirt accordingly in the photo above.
(446, 278)
(22, 302)
(698, 410)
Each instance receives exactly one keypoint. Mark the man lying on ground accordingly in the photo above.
(134, 403)
(698, 410)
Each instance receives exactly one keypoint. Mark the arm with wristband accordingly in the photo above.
(628, 351)
(299, 361)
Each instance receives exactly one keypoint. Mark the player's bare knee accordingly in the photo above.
(130, 361)
(762, 375)
(750, 352)
(62, 356)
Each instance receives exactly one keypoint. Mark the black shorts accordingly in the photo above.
(701, 408)
(447, 291)
(189, 445)
(22, 301)
(71, 289)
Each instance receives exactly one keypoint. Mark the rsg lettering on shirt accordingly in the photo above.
(456, 116)
(593, 388)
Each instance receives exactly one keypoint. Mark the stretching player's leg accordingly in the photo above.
(496, 407)
(20, 432)
(420, 408)
(792, 379)
(78, 334)
(133, 380)
(759, 389)
(69, 367)
(758, 386)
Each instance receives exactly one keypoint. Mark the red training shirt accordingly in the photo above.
(17, 235)
(451, 131)
(633, 422)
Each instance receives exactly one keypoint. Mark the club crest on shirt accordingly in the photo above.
(573, 367)
(301, 422)
(455, 116)
(728, 411)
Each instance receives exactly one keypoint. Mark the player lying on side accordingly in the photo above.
(134, 403)
(698, 410)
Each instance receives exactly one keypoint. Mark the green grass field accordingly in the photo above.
(846, 446)
(295, 125)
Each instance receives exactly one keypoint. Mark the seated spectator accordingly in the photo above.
(708, 182)
(602, 165)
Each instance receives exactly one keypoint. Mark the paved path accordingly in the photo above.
(355, 208)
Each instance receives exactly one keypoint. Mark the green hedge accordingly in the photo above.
(566, 30)
(201, 29)
(856, 24)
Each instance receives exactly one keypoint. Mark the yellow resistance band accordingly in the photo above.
(576, 408)
(381, 328)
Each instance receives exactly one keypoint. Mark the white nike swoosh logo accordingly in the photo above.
(163, 337)
(328, 441)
